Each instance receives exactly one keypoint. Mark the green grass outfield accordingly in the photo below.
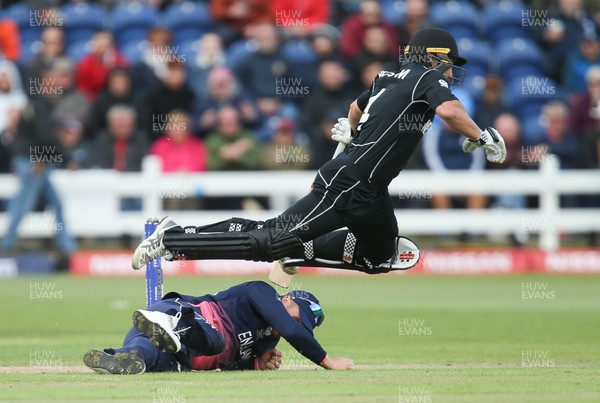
(413, 339)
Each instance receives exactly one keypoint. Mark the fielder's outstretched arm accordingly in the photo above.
(260, 295)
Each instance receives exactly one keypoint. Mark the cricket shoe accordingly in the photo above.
(406, 255)
(161, 328)
(121, 363)
(153, 247)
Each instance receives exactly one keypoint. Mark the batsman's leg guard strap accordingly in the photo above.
(189, 230)
(233, 224)
(349, 246)
(266, 245)
(309, 250)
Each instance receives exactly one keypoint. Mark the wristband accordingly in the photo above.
(480, 141)
(326, 356)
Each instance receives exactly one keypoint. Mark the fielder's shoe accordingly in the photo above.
(161, 328)
(122, 363)
(152, 247)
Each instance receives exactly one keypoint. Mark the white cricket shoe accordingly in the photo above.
(407, 255)
(160, 329)
(152, 247)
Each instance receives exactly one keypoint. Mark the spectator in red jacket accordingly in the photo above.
(93, 70)
(355, 29)
(10, 40)
(299, 17)
(179, 150)
(234, 16)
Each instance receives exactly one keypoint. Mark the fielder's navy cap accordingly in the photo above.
(311, 314)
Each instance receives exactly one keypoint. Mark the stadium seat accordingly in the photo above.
(20, 14)
(461, 19)
(527, 94)
(238, 51)
(477, 54)
(432, 2)
(132, 21)
(188, 49)
(474, 85)
(299, 51)
(393, 11)
(504, 19)
(518, 57)
(81, 20)
(303, 60)
(532, 130)
(30, 35)
(28, 51)
(133, 51)
(77, 50)
(187, 20)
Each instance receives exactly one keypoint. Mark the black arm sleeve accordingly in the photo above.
(363, 99)
(434, 89)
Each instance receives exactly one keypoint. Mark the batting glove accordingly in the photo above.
(341, 131)
(492, 142)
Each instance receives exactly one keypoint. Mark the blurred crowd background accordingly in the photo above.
(258, 84)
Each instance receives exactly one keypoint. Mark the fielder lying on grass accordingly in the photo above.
(235, 329)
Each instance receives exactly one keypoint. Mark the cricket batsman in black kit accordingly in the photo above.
(234, 329)
(351, 190)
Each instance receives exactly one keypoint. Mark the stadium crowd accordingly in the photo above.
(258, 84)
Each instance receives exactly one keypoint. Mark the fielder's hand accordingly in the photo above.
(269, 360)
(492, 142)
(339, 363)
(341, 131)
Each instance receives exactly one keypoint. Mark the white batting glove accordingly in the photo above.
(341, 131)
(491, 141)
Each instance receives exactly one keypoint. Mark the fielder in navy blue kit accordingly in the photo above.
(234, 329)
(347, 221)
